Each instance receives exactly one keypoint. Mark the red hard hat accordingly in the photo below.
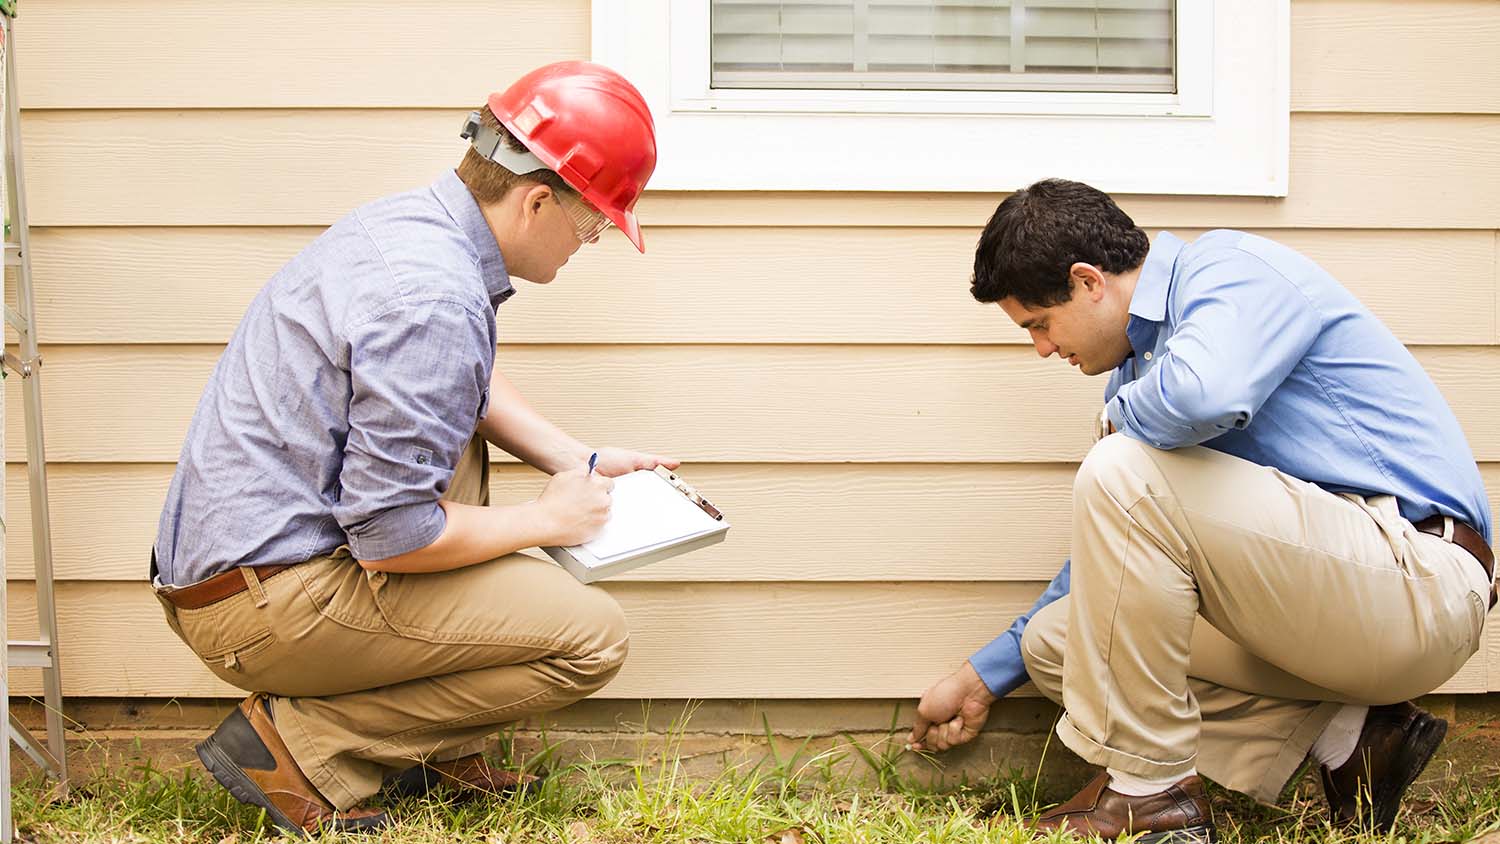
(592, 127)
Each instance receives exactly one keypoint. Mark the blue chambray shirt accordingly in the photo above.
(350, 389)
(1245, 346)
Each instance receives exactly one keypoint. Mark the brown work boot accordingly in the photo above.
(471, 776)
(246, 755)
(1179, 815)
(1395, 745)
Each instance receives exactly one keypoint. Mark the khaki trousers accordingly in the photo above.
(1222, 611)
(372, 672)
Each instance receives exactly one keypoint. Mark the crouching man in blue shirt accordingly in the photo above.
(1286, 540)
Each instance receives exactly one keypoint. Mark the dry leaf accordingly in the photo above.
(790, 835)
(1487, 838)
(579, 832)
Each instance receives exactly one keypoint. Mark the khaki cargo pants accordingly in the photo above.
(1222, 611)
(371, 672)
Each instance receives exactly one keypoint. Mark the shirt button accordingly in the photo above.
(422, 459)
(1148, 356)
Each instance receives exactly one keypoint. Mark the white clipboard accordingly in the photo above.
(654, 515)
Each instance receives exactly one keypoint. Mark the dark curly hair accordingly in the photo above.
(1038, 233)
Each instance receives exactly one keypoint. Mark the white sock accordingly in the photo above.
(1334, 747)
(1131, 785)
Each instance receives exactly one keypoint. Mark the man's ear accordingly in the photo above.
(533, 198)
(1088, 279)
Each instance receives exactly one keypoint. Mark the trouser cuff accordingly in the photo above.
(1108, 757)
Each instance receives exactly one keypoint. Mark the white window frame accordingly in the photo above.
(1225, 130)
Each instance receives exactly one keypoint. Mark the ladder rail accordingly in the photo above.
(36, 455)
(42, 653)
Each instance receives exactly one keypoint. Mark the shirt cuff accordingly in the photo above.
(999, 663)
(396, 531)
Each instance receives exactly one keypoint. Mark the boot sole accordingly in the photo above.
(1191, 835)
(1423, 739)
(233, 778)
(244, 789)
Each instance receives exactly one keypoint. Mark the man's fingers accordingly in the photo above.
(953, 731)
(952, 734)
(919, 730)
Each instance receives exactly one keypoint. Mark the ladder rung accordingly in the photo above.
(12, 254)
(16, 321)
(29, 654)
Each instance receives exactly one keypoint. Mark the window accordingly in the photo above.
(940, 45)
(1133, 96)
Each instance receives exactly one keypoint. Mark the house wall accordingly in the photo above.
(895, 459)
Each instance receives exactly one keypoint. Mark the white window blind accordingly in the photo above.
(991, 45)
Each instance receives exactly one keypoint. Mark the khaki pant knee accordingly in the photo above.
(1042, 645)
(603, 657)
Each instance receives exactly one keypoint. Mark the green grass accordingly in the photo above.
(802, 799)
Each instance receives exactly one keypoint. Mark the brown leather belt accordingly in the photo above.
(1468, 539)
(225, 584)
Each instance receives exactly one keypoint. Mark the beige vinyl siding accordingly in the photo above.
(702, 278)
(951, 507)
(1432, 57)
(275, 167)
(698, 640)
(711, 404)
(896, 462)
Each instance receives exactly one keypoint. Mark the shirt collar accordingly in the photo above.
(1148, 304)
(455, 197)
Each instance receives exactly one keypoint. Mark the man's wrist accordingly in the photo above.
(568, 456)
(542, 524)
(975, 687)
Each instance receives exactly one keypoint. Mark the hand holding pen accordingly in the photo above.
(575, 505)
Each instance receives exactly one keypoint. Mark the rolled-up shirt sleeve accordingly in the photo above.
(418, 375)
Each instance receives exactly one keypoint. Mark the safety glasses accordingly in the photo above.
(588, 221)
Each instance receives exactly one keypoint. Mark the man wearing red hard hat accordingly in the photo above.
(328, 543)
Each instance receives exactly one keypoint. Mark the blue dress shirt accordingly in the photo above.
(1244, 346)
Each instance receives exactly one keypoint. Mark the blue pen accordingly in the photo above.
(593, 458)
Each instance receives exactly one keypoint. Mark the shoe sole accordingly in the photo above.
(1423, 739)
(244, 789)
(1191, 835)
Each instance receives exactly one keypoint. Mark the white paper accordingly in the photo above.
(647, 511)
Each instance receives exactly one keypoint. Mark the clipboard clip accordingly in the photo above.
(690, 493)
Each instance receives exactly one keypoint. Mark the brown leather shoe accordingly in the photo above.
(1179, 815)
(471, 776)
(1395, 745)
(246, 755)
